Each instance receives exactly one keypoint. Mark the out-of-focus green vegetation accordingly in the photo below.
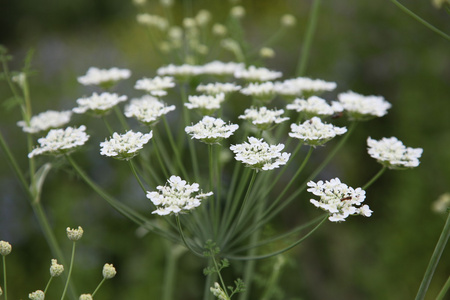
(370, 47)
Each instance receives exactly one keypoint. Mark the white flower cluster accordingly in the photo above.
(391, 153)
(217, 88)
(155, 86)
(253, 73)
(147, 109)
(339, 199)
(98, 104)
(215, 68)
(61, 141)
(96, 76)
(177, 197)
(259, 155)
(303, 87)
(56, 269)
(218, 292)
(125, 146)
(218, 68)
(152, 21)
(211, 130)
(360, 107)
(109, 271)
(315, 133)
(207, 104)
(263, 92)
(37, 295)
(262, 117)
(5, 248)
(314, 106)
(74, 234)
(46, 120)
(183, 71)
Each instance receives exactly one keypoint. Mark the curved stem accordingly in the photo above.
(444, 290)
(133, 169)
(107, 125)
(374, 178)
(48, 284)
(98, 286)
(184, 239)
(174, 148)
(70, 270)
(121, 118)
(440, 246)
(4, 277)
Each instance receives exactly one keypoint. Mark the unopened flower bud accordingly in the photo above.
(37, 295)
(74, 234)
(219, 29)
(1, 291)
(266, 52)
(86, 297)
(237, 12)
(109, 271)
(56, 269)
(288, 20)
(5, 248)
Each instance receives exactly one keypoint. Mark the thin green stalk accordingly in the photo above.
(133, 169)
(271, 283)
(48, 284)
(210, 279)
(224, 287)
(184, 239)
(444, 290)
(158, 156)
(98, 286)
(121, 118)
(420, 20)
(70, 270)
(310, 30)
(170, 268)
(4, 277)
(440, 246)
(107, 125)
(374, 178)
(175, 148)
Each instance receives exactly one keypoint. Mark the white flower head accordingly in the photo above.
(263, 92)
(46, 120)
(218, 68)
(177, 197)
(147, 109)
(125, 146)
(85, 297)
(315, 133)
(391, 153)
(263, 118)
(237, 12)
(105, 78)
(207, 104)
(253, 74)
(109, 271)
(211, 130)
(288, 20)
(361, 108)
(259, 155)
(184, 71)
(99, 105)
(218, 292)
(313, 106)
(217, 88)
(74, 234)
(56, 269)
(338, 199)
(155, 86)
(37, 295)
(153, 21)
(61, 141)
(303, 87)
(5, 248)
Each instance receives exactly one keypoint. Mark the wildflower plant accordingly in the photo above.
(249, 179)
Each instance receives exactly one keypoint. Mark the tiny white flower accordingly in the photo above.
(315, 133)
(361, 108)
(147, 109)
(391, 153)
(5, 248)
(339, 199)
(262, 117)
(61, 141)
(85, 297)
(237, 12)
(253, 73)
(56, 269)
(288, 20)
(203, 17)
(104, 77)
(303, 87)
(211, 130)
(109, 271)
(37, 295)
(125, 146)
(153, 21)
(218, 292)
(442, 204)
(218, 68)
(207, 104)
(259, 155)
(217, 88)
(266, 52)
(219, 29)
(46, 120)
(74, 234)
(183, 71)
(98, 104)
(155, 86)
(176, 197)
(313, 106)
(263, 92)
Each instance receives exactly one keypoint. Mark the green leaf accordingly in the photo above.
(39, 178)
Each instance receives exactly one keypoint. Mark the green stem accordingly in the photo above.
(440, 246)
(48, 284)
(107, 125)
(420, 20)
(158, 155)
(121, 118)
(170, 268)
(133, 169)
(4, 278)
(310, 30)
(98, 286)
(444, 290)
(374, 178)
(184, 239)
(224, 287)
(175, 148)
(70, 270)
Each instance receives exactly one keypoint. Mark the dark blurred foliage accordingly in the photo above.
(370, 47)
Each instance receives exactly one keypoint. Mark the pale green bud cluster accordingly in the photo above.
(56, 269)
(266, 52)
(37, 295)
(288, 20)
(86, 297)
(5, 248)
(109, 271)
(74, 234)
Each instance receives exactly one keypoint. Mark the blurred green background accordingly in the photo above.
(370, 47)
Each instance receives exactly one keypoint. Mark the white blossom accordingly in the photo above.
(217, 88)
(176, 197)
(5, 248)
(315, 133)
(303, 87)
(339, 199)
(61, 141)
(263, 92)
(211, 130)
(218, 292)
(125, 146)
(147, 109)
(259, 155)
(155, 86)
(85, 297)
(359, 107)
(253, 73)
(109, 271)
(207, 104)
(183, 71)
(96, 76)
(98, 104)
(262, 117)
(37, 295)
(313, 106)
(46, 120)
(391, 153)
(153, 21)
(55, 268)
(218, 68)
(74, 234)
